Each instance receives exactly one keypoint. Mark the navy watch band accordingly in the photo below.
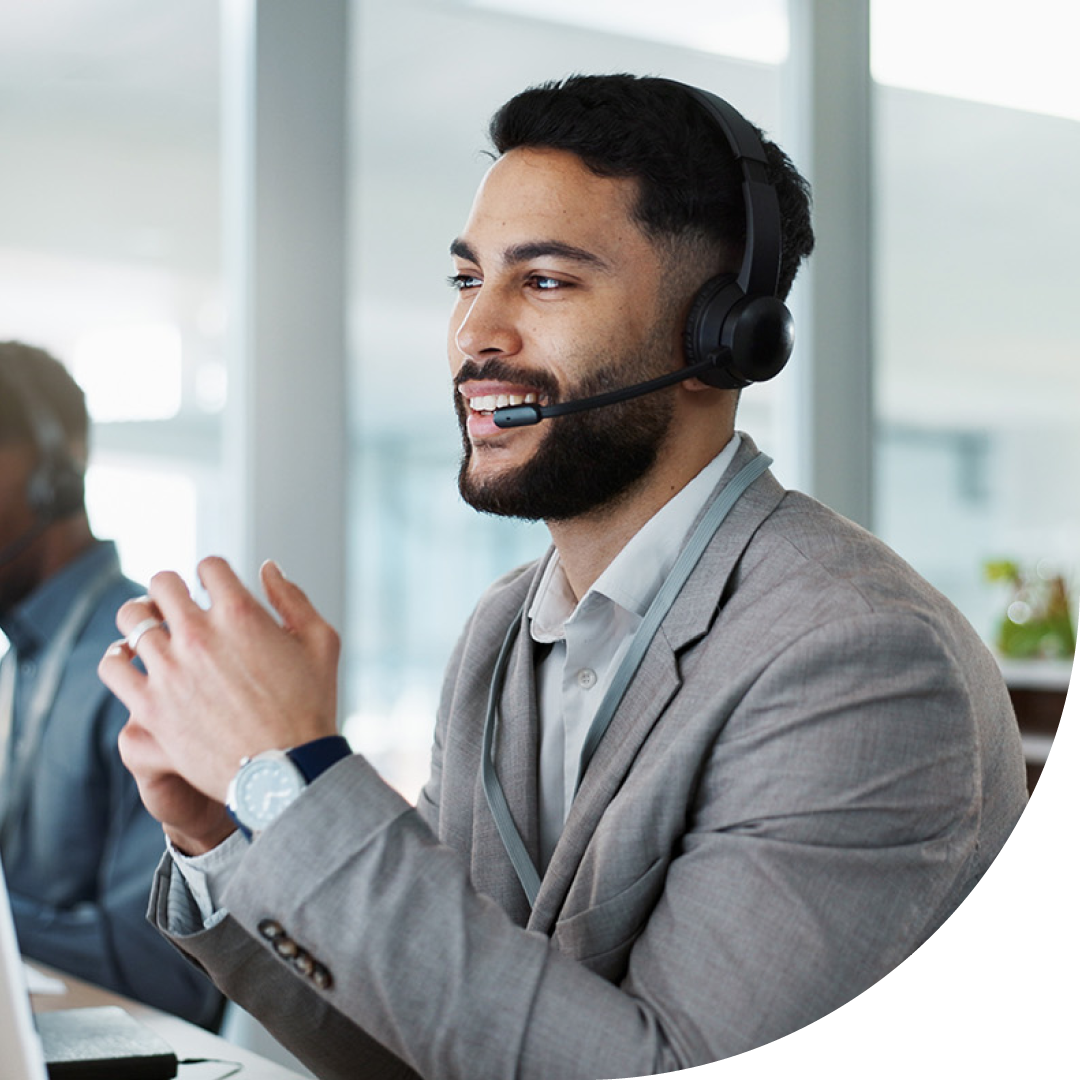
(315, 757)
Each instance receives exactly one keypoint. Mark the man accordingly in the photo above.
(77, 845)
(706, 771)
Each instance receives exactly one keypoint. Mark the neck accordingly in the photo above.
(60, 543)
(588, 544)
(63, 542)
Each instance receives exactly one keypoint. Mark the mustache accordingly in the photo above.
(503, 371)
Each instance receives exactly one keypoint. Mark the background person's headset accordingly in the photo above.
(55, 487)
(738, 330)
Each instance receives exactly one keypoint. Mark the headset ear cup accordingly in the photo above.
(760, 335)
(70, 491)
(704, 325)
(55, 489)
(746, 339)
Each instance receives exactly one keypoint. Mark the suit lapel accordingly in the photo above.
(516, 764)
(655, 684)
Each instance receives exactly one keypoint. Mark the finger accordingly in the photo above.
(229, 596)
(290, 602)
(172, 597)
(133, 611)
(117, 672)
(145, 634)
(219, 579)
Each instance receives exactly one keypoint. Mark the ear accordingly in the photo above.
(696, 385)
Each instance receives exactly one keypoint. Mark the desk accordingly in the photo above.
(187, 1040)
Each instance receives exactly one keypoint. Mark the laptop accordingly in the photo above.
(70, 1044)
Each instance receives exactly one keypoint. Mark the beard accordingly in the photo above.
(585, 461)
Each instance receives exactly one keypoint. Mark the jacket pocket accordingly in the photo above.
(600, 937)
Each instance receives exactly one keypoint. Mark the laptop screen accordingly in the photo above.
(22, 1055)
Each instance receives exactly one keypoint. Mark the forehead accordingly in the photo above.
(532, 195)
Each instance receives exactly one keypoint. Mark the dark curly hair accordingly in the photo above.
(654, 131)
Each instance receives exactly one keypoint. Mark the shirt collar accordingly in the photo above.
(635, 575)
(34, 620)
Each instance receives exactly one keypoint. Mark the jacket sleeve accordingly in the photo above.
(835, 810)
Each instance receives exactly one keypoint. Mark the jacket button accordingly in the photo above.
(271, 929)
(321, 977)
(286, 947)
(305, 964)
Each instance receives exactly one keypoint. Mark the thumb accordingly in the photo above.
(288, 600)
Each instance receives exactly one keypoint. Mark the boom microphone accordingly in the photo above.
(511, 416)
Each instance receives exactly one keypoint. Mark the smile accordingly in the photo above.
(490, 402)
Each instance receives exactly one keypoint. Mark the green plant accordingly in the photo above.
(1037, 622)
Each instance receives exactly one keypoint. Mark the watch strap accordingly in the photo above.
(315, 757)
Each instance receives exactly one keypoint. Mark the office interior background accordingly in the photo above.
(231, 219)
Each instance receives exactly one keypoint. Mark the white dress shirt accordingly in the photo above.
(588, 639)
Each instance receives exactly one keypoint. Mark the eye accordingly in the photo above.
(545, 283)
(461, 282)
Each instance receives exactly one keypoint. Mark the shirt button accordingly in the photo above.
(586, 678)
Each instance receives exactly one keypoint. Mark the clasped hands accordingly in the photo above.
(220, 684)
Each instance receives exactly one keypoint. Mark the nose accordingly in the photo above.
(483, 325)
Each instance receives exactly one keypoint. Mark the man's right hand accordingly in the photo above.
(194, 822)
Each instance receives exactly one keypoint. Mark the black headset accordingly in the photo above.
(737, 325)
(55, 488)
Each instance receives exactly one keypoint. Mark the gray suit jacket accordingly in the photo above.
(814, 765)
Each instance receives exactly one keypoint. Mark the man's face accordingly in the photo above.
(18, 575)
(559, 297)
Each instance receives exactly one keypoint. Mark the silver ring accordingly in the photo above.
(133, 639)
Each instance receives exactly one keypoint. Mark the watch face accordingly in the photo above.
(264, 787)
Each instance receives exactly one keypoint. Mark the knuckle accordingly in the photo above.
(327, 640)
(123, 743)
(188, 637)
(130, 610)
(237, 608)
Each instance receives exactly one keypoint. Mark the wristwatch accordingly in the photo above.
(266, 783)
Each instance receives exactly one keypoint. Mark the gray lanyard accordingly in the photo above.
(658, 609)
(16, 776)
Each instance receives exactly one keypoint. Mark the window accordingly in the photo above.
(419, 557)
(978, 164)
(109, 251)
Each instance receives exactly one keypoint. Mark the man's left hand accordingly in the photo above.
(229, 681)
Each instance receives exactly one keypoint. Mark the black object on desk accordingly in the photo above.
(102, 1043)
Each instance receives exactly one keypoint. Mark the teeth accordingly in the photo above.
(491, 402)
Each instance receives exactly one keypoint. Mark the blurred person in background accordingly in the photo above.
(78, 848)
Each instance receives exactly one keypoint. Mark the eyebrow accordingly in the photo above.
(535, 249)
